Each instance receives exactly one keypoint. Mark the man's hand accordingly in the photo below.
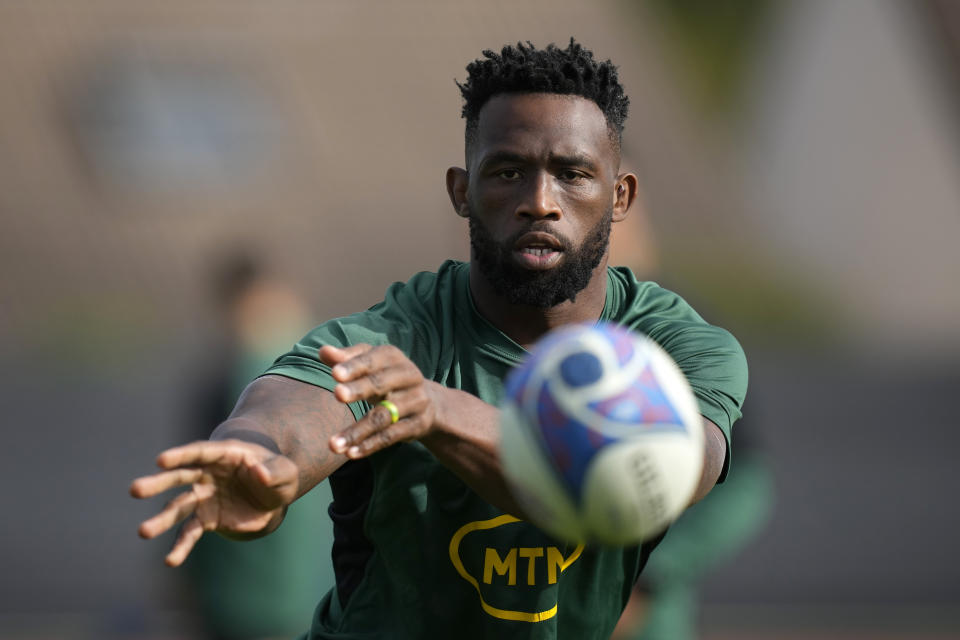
(461, 430)
(375, 374)
(236, 488)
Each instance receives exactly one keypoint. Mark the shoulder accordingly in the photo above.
(645, 304)
(420, 303)
(408, 317)
(426, 287)
(710, 356)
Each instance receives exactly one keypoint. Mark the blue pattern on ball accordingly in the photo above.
(516, 382)
(580, 369)
(571, 445)
(643, 403)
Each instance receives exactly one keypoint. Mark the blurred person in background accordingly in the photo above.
(265, 588)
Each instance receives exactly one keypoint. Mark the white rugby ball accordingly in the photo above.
(601, 436)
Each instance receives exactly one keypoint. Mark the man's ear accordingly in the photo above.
(457, 181)
(624, 193)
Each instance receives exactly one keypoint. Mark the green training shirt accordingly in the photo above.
(421, 555)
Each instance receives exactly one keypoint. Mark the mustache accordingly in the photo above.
(540, 227)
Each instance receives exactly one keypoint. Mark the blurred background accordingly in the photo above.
(799, 161)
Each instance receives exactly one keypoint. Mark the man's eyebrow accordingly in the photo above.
(574, 160)
(556, 159)
(500, 157)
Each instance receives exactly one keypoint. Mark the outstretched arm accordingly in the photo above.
(297, 417)
(286, 436)
(272, 449)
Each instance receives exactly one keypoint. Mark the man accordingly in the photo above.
(397, 405)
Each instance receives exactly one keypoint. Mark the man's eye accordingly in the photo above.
(571, 175)
(509, 174)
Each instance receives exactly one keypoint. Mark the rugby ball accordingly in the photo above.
(601, 436)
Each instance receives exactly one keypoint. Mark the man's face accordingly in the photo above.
(542, 170)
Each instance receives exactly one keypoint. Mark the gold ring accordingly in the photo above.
(392, 408)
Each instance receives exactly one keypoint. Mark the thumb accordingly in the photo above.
(278, 477)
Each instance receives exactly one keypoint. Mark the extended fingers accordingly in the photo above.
(191, 531)
(372, 373)
(369, 360)
(176, 510)
(376, 430)
(226, 454)
(149, 486)
(403, 431)
(377, 419)
(193, 454)
(378, 383)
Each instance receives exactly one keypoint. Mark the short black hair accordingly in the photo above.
(526, 69)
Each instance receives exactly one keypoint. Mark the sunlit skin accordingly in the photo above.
(541, 173)
(547, 163)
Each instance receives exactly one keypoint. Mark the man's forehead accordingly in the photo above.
(563, 122)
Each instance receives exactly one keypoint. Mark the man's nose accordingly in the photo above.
(539, 200)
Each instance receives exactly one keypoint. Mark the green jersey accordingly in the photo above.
(420, 554)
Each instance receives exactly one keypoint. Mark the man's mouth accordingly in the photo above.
(537, 250)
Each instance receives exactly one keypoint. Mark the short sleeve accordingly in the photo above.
(709, 356)
(303, 363)
(716, 368)
(403, 320)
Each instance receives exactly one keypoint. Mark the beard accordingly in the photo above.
(540, 289)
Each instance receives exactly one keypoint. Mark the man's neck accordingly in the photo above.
(525, 324)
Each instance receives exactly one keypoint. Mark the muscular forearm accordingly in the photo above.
(465, 439)
(293, 419)
(247, 429)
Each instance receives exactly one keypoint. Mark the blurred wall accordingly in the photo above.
(812, 214)
(854, 150)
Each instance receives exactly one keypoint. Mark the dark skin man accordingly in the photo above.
(542, 177)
